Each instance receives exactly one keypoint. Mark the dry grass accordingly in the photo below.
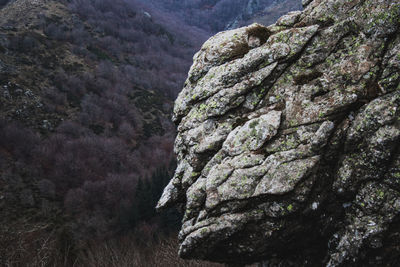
(42, 248)
(39, 247)
(125, 253)
(35, 247)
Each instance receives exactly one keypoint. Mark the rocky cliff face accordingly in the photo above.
(288, 140)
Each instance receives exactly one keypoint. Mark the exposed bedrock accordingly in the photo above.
(288, 140)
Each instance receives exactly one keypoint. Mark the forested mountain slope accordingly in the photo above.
(217, 15)
(85, 97)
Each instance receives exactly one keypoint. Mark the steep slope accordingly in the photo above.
(288, 140)
(269, 14)
(217, 15)
(85, 101)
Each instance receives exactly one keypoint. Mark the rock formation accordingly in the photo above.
(288, 140)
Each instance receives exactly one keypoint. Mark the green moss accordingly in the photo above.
(202, 107)
(293, 122)
(195, 174)
(203, 231)
(263, 65)
(253, 124)
(213, 104)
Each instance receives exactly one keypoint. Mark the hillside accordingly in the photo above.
(218, 15)
(85, 135)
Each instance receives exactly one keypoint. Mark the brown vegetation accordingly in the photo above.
(38, 248)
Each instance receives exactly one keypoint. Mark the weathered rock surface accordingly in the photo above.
(288, 140)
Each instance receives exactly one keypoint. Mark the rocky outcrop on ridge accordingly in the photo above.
(288, 140)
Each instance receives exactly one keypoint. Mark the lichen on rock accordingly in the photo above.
(288, 140)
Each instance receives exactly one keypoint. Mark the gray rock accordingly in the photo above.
(288, 140)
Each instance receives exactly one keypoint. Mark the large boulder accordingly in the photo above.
(288, 140)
